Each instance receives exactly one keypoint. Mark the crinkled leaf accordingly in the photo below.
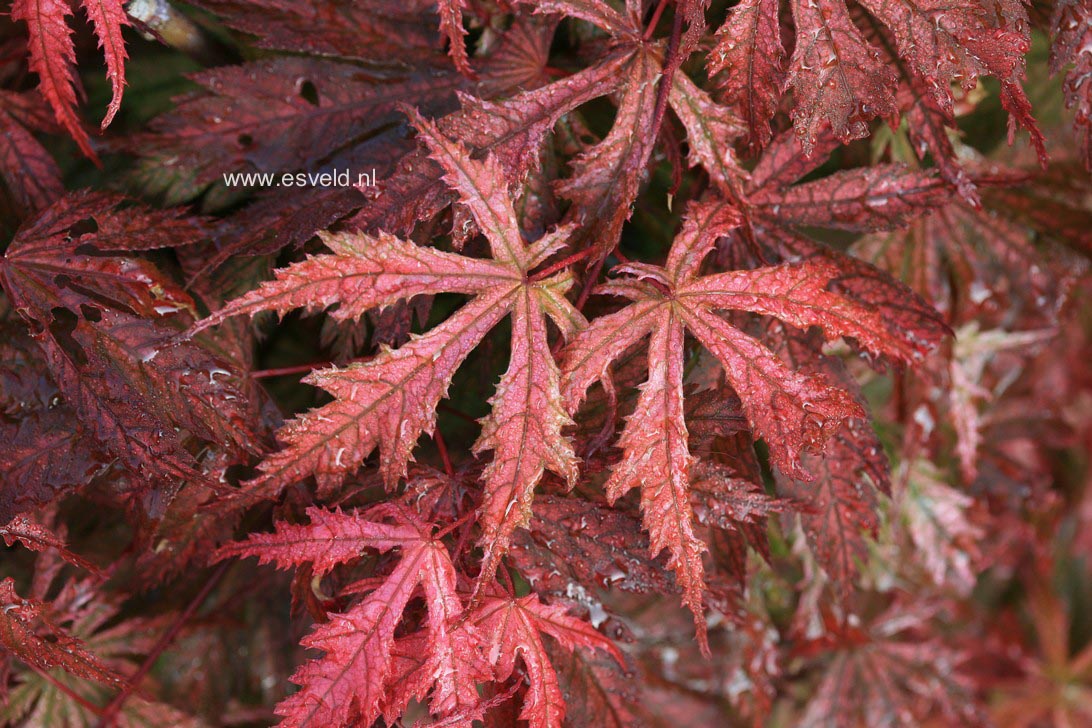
(29, 172)
(1071, 26)
(376, 31)
(836, 76)
(794, 411)
(515, 628)
(391, 399)
(27, 630)
(575, 540)
(607, 177)
(510, 130)
(53, 58)
(350, 683)
(130, 384)
(871, 198)
(750, 58)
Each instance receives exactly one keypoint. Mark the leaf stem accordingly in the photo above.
(589, 284)
(458, 413)
(442, 447)
(549, 271)
(84, 702)
(455, 524)
(654, 20)
(108, 714)
(464, 536)
(671, 64)
(507, 579)
(284, 371)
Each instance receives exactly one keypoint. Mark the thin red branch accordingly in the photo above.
(671, 64)
(84, 702)
(455, 524)
(564, 263)
(284, 371)
(589, 284)
(442, 447)
(655, 20)
(110, 711)
(458, 413)
(506, 579)
(464, 536)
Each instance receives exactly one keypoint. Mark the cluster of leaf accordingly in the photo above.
(690, 363)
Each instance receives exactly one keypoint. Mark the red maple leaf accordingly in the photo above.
(451, 25)
(53, 56)
(750, 58)
(514, 627)
(390, 400)
(701, 410)
(27, 168)
(353, 681)
(32, 636)
(836, 76)
(103, 323)
(884, 673)
(793, 412)
(1071, 27)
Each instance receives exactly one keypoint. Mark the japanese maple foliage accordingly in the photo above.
(661, 363)
(52, 56)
